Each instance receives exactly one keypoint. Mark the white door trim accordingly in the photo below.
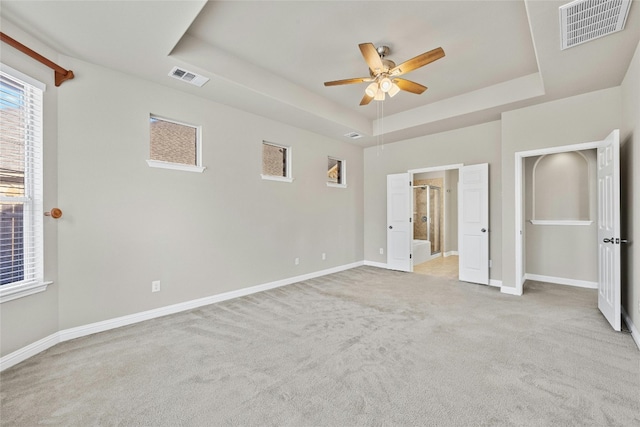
(435, 169)
(519, 171)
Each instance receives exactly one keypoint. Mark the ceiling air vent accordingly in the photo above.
(585, 20)
(188, 76)
(353, 135)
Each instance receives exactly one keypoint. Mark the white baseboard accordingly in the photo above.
(118, 322)
(375, 264)
(496, 283)
(561, 281)
(635, 333)
(449, 253)
(30, 350)
(510, 291)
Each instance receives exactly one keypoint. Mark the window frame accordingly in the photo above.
(173, 165)
(33, 212)
(343, 173)
(288, 163)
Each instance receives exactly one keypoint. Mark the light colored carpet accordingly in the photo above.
(362, 347)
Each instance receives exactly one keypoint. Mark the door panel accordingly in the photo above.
(473, 249)
(473, 235)
(399, 227)
(609, 230)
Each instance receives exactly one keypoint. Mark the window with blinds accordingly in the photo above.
(21, 249)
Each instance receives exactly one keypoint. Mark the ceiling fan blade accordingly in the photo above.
(417, 62)
(366, 99)
(348, 81)
(410, 86)
(372, 58)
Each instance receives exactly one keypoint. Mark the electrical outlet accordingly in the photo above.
(381, 251)
(155, 286)
(324, 256)
(296, 261)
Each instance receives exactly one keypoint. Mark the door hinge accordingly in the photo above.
(409, 256)
(409, 219)
(409, 183)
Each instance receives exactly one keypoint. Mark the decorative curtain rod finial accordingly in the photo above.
(61, 78)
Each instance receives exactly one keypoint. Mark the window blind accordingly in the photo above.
(21, 248)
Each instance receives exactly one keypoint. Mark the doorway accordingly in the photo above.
(428, 221)
(472, 221)
(435, 222)
(525, 213)
(608, 238)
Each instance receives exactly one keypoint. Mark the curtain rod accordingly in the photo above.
(61, 75)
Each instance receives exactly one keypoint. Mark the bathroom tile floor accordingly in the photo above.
(441, 267)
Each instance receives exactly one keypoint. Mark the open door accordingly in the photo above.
(609, 229)
(399, 231)
(473, 234)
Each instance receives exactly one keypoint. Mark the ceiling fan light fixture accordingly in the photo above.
(386, 84)
(384, 73)
(394, 90)
(372, 89)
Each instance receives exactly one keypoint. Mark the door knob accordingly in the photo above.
(484, 230)
(390, 227)
(605, 240)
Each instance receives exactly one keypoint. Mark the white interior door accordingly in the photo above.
(609, 229)
(473, 234)
(399, 226)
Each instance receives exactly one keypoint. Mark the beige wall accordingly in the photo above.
(630, 177)
(26, 320)
(126, 224)
(472, 145)
(575, 120)
(199, 234)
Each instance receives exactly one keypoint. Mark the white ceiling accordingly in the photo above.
(272, 57)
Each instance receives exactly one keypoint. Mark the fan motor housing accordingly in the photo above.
(387, 65)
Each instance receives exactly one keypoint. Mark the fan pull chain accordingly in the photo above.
(380, 136)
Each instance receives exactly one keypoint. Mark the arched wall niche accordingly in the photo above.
(561, 190)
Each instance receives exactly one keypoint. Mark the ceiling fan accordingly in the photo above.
(384, 73)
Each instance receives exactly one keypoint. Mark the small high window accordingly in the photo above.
(336, 172)
(174, 145)
(276, 162)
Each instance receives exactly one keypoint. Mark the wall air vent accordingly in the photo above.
(585, 20)
(353, 135)
(188, 76)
